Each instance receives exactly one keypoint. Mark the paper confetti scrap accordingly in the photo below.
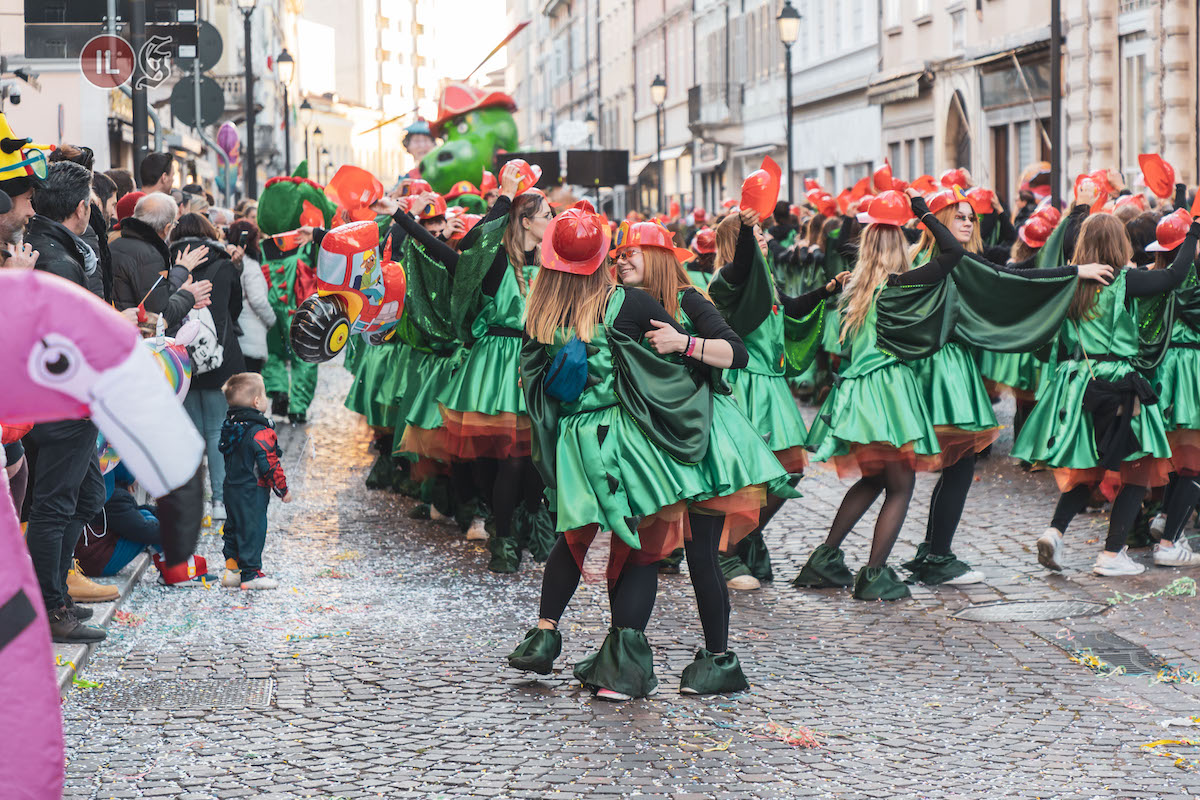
(1175, 674)
(129, 619)
(1158, 748)
(796, 737)
(706, 744)
(1187, 722)
(1180, 587)
(295, 637)
(82, 684)
(330, 572)
(1096, 664)
(348, 555)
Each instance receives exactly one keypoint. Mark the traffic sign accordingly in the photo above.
(209, 46)
(183, 101)
(107, 61)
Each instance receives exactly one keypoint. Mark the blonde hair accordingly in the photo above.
(243, 389)
(1102, 240)
(663, 278)
(881, 253)
(928, 244)
(560, 301)
(726, 237)
(526, 206)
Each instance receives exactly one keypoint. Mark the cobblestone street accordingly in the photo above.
(377, 669)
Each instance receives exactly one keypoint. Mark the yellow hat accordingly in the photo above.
(20, 158)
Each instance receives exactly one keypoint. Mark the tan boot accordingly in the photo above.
(85, 590)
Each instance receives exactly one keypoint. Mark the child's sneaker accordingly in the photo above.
(261, 582)
(231, 578)
(1117, 564)
(477, 532)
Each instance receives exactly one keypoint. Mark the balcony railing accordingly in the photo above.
(715, 104)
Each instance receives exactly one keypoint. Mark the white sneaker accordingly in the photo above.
(1175, 554)
(966, 579)
(744, 583)
(1158, 526)
(436, 515)
(261, 582)
(609, 694)
(1118, 564)
(475, 533)
(1049, 547)
(218, 510)
(231, 579)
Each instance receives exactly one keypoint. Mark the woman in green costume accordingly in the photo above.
(482, 405)
(744, 292)
(1097, 420)
(741, 469)
(1177, 382)
(876, 423)
(704, 245)
(621, 435)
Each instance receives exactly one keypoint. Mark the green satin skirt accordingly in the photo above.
(1178, 384)
(1016, 371)
(433, 374)
(737, 456)
(830, 332)
(489, 380)
(883, 407)
(377, 372)
(1059, 433)
(768, 402)
(953, 390)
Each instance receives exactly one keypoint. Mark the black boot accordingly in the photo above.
(82, 613)
(65, 628)
(279, 404)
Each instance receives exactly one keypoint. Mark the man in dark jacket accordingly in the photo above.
(67, 487)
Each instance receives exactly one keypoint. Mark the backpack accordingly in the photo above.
(205, 346)
(568, 373)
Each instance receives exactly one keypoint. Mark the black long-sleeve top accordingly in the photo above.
(500, 265)
(950, 251)
(1074, 220)
(738, 271)
(1147, 282)
(435, 248)
(640, 308)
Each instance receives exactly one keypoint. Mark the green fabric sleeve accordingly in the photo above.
(1007, 312)
(466, 295)
(427, 316)
(542, 410)
(802, 339)
(747, 305)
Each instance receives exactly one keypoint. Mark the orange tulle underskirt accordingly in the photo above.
(794, 459)
(1148, 471)
(957, 443)
(741, 509)
(432, 444)
(873, 458)
(1185, 450)
(471, 435)
(603, 556)
(425, 468)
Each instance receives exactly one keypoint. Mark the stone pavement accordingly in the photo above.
(377, 669)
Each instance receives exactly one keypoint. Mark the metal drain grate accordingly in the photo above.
(1029, 610)
(1114, 650)
(179, 694)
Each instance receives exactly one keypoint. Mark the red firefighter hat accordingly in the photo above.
(488, 183)
(1036, 231)
(887, 208)
(459, 98)
(760, 189)
(954, 177)
(195, 568)
(1170, 232)
(980, 199)
(417, 186)
(706, 241)
(647, 234)
(435, 209)
(1158, 175)
(881, 180)
(461, 188)
(948, 197)
(471, 221)
(576, 241)
(699, 215)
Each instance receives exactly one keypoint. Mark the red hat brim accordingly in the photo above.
(682, 254)
(552, 260)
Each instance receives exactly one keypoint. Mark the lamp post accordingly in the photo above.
(249, 167)
(788, 22)
(318, 137)
(658, 94)
(287, 67)
(322, 160)
(592, 125)
(306, 114)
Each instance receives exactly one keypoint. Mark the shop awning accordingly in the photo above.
(755, 150)
(893, 90)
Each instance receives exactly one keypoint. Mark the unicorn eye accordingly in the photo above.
(56, 363)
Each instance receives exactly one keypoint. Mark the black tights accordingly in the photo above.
(1124, 512)
(773, 504)
(470, 478)
(896, 483)
(712, 594)
(631, 598)
(946, 504)
(1181, 497)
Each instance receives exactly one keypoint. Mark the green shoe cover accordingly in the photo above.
(939, 569)
(670, 564)
(753, 552)
(879, 583)
(419, 511)
(623, 664)
(506, 554)
(825, 569)
(711, 674)
(537, 651)
(918, 559)
(732, 567)
(541, 534)
(382, 473)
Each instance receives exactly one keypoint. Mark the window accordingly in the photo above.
(1024, 133)
(856, 172)
(958, 29)
(927, 155)
(830, 178)
(857, 18)
(894, 155)
(923, 8)
(1136, 101)
(911, 172)
(891, 14)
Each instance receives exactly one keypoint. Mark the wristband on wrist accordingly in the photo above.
(691, 346)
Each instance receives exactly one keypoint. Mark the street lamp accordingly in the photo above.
(249, 167)
(318, 137)
(658, 94)
(306, 115)
(322, 160)
(287, 67)
(592, 125)
(788, 22)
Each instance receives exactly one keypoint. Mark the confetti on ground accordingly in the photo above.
(350, 555)
(1096, 664)
(1180, 587)
(1175, 674)
(797, 737)
(296, 637)
(706, 744)
(82, 684)
(129, 619)
(1187, 722)
(1158, 748)
(330, 572)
